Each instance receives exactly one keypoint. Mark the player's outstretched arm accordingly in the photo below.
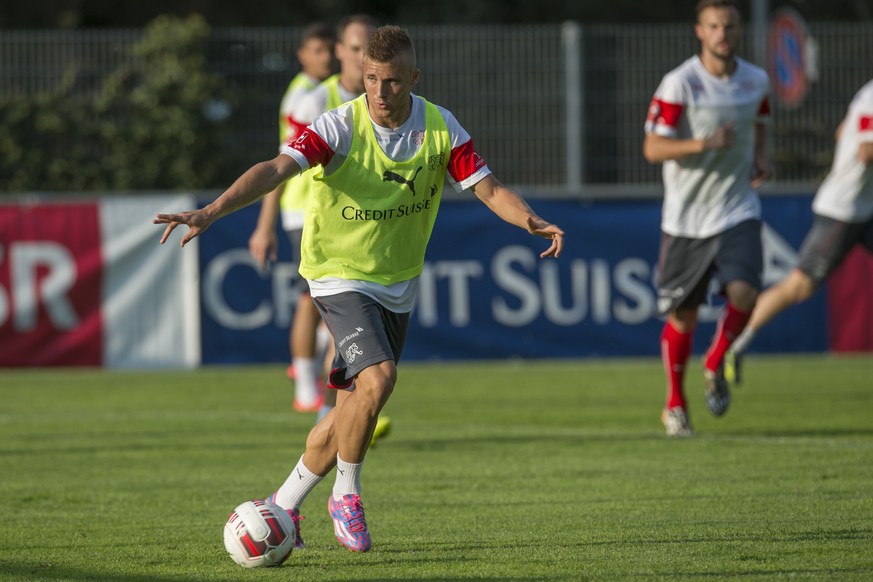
(254, 183)
(513, 209)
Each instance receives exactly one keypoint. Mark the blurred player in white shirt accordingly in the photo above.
(843, 209)
(706, 124)
(303, 102)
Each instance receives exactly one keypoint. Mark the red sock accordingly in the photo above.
(730, 325)
(675, 349)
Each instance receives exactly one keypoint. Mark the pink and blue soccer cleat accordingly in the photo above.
(296, 518)
(349, 523)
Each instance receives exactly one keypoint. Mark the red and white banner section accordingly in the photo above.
(850, 304)
(87, 284)
(51, 276)
(151, 292)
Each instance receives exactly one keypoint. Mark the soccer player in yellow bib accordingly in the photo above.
(310, 94)
(289, 200)
(383, 159)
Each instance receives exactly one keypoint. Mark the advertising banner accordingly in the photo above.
(485, 293)
(51, 275)
(150, 291)
(245, 312)
(850, 304)
(87, 284)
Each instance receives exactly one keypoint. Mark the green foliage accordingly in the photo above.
(145, 129)
(502, 471)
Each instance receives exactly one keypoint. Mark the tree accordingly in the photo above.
(145, 130)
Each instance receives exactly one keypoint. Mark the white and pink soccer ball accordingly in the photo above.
(259, 533)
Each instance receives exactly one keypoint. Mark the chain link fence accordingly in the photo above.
(554, 109)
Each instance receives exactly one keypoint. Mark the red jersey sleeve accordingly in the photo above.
(295, 129)
(663, 113)
(314, 149)
(464, 161)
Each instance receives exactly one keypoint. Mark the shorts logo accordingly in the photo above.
(352, 352)
(668, 297)
(358, 331)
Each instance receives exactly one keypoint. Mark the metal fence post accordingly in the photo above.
(571, 40)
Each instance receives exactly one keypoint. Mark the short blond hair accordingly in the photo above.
(388, 42)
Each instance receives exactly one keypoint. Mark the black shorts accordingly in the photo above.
(828, 242)
(686, 265)
(364, 333)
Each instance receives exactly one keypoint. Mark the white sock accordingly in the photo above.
(348, 478)
(297, 486)
(305, 375)
(322, 340)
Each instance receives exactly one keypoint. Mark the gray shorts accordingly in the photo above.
(828, 242)
(364, 333)
(686, 265)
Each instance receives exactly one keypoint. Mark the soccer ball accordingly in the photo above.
(259, 533)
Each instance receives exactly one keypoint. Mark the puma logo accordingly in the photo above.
(389, 176)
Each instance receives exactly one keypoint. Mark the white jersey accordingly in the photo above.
(292, 203)
(288, 108)
(314, 103)
(847, 192)
(708, 193)
(327, 142)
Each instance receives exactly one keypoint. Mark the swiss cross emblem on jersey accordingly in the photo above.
(299, 142)
(436, 161)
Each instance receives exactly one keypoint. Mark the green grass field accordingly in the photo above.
(498, 471)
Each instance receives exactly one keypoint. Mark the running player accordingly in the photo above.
(706, 124)
(843, 209)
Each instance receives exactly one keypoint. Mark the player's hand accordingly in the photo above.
(539, 227)
(196, 220)
(263, 247)
(763, 172)
(723, 137)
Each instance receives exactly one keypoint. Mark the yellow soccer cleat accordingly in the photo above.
(383, 427)
(732, 366)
